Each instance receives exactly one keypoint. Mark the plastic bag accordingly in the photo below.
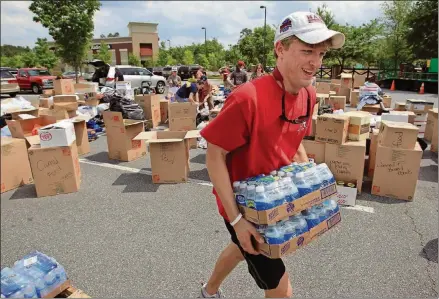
(88, 110)
(5, 132)
(14, 104)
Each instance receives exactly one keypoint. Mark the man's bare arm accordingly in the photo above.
(301, 155)
(217, 169)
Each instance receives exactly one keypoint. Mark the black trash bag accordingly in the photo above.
(128, 108)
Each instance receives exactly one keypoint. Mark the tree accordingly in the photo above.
(30, 59)
(16, 61)
(102, 36)
(44, 56)
(171, 60)
(188, 57)
(103, 53)
(326, 15)
(116, 34)
(10, 50)
(133, 60)
(423, 29)
(395, 21)
(70, 23)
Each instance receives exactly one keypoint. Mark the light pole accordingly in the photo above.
(265, 33)
(169, 43)
(205, 39)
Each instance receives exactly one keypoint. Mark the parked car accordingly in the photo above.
(167, 71)
(157, 71)
(70, 75)
(35, 79)
(187, 71)
(8, 83)
(138, 76)
(12, 70)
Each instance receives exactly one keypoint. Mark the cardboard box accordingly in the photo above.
(123, 85)
(332, 128)
(346, 196)
(418, 106)
(322, 99)
(354, 96)
(46, 103)
(431, 124)
(63, 87)
(434, 139)
(387, 101)
(182, 124)
(81, 134)
(346, 161)
(347, 80)
(399, 106)
(359, 80)
(48, 93)
(400, 116)
(396, 172)
(374, 109)
(23, 128)
(33, 112)
(323, 87)
(315, 150)
(87, 98)
(57, 134)
(421, 127)
(337, 102)
(15, 167)
(372, 152)
(398, 135)
(69, 102)
(151, 107)
(420, 117)
(55, 169)
(94, 87)
(181, 110)
(345, 92)
(120, 137)
(278, 213)
(164, 110)
(278, 251)
(359, 125)
(57, 113)
(169, 154)
(335, 87)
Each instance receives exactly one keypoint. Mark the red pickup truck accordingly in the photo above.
(35, 79)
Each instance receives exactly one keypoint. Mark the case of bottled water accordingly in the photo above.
(43, 274)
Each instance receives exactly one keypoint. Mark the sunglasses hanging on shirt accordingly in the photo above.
(301, 119)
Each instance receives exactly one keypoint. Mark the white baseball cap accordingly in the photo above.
(308, 27)
(174, 69)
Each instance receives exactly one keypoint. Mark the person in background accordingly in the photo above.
(259, 72)
(197, 75)
(239, 75)
(189, 92)
(174, 80)
(205, 93)
(118, 76)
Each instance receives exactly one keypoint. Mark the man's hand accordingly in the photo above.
(244, 230)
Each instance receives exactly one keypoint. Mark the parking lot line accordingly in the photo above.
(361, 209)
(136, 170)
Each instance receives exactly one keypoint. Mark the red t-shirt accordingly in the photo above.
(250, 129)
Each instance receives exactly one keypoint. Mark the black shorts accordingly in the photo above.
(266, 272)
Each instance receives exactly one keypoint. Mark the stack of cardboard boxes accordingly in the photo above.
(340, 142)
(50, 151)
(431, 130)
(397, 160)
(420, 108)
(64, 104)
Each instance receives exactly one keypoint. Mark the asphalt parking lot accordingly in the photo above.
(122, 236)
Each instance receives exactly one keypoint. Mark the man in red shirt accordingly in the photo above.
(260, 129)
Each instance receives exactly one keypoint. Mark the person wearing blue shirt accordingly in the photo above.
(188, 92)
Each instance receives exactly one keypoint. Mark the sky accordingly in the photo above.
(181, 21)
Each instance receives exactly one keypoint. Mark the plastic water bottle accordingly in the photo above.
(289, 229)
(273, 173)
(313, 178)
(321, 212)
(241, 197)
(15, 285)
(251, 195)
(289, 190)
(274, 235)
(302, 184)
(325, 174)
(262, 202)
(275, 194)
(261, 228)
(331, 206)
(302, 225)
(236, 186)
(280, 174)
(312, 219)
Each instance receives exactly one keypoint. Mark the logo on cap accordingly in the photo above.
(285, 26)
(314, 19)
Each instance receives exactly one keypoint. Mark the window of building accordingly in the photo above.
(123, 56)
(113, 57)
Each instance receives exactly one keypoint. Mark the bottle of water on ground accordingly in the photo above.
(15, 285)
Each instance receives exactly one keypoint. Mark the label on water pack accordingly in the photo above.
(328, 191)
(240, 199)
(30, 261)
